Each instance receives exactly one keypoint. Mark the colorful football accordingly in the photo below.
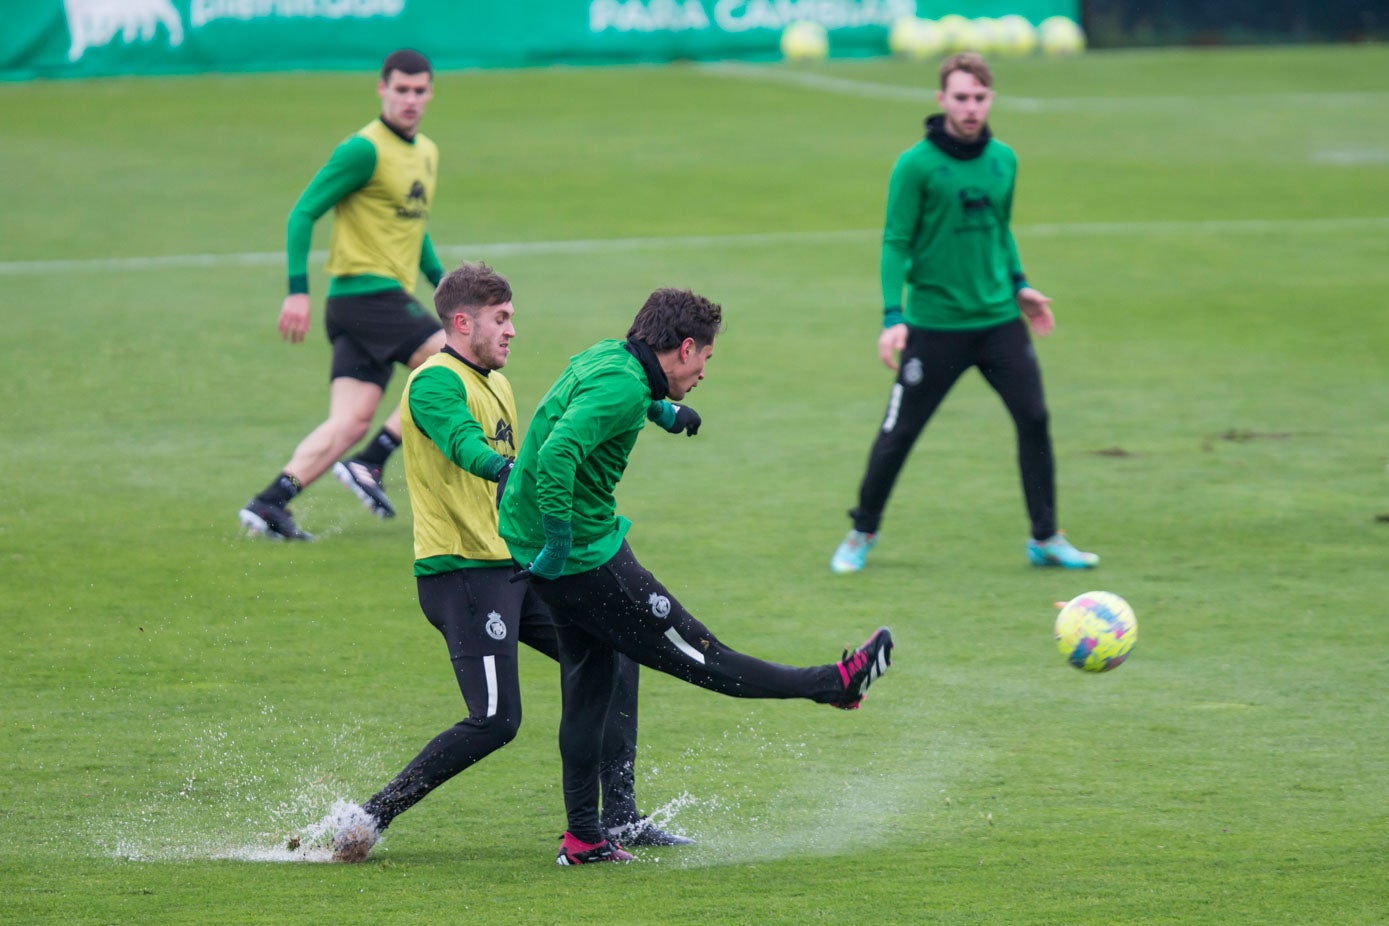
(1096, 631)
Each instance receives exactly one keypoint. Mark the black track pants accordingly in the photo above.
(621, 609)
(482, 617)
(931, 363)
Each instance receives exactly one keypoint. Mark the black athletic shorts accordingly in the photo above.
(372, 331)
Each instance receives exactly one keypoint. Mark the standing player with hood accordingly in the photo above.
(947, 239)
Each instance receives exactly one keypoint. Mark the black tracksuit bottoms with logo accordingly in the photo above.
(482, 617)
(930, 365)
(621, 609)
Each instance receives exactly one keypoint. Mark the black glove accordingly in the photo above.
(686, 419)
(674, 418)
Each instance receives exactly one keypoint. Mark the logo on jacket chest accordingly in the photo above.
(977, 212)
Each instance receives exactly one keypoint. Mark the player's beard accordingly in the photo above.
(491, 354)
(960, 131)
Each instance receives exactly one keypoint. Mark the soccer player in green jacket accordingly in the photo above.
(559, 515)
(380, 185)
(948, 241)
(458, 426)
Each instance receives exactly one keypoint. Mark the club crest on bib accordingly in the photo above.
(660, 605)
(496, 627)
(504, 435)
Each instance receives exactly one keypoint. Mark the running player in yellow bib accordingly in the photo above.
(380, 185)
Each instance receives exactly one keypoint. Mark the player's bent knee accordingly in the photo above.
(350, 430)
(502, 729)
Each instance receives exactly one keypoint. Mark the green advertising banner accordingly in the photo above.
(94, 38)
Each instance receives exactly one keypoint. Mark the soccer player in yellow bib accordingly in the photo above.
(458, 423)
(380, 185)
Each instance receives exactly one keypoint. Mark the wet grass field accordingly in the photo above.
(180, 700)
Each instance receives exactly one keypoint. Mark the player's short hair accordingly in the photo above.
(971, 62)
(406, 61)
(469, 288)
(672, 315)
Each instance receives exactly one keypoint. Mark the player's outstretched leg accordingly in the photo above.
(863, 666)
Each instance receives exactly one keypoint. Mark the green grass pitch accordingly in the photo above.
(1211, 226)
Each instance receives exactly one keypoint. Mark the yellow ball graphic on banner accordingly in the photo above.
(805, 41)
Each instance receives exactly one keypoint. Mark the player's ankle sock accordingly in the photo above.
(379, 449)
(281, 490)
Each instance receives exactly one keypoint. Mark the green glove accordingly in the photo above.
(549, 562)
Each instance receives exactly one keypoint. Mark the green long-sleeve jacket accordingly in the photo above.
(947, 237)
(575, 453)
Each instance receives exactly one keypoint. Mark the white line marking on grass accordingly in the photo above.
(584, 246)
(927, 94)
(170, 262)
(1351, 157)
(1205, 227)
(455, 252)
(841, 85)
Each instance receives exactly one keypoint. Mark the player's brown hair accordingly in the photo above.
(971, 62)
(470, 288)
(406, 61)
(672, 315)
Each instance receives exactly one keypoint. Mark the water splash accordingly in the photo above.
(279, 796)
(282, 792)
(823, 805)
